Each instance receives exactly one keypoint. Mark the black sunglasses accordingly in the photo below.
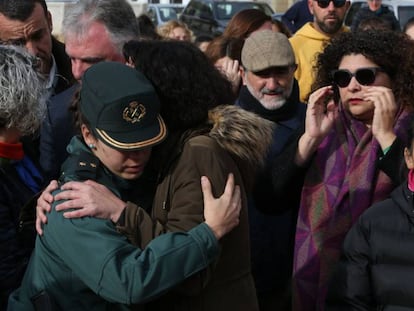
(364, 76)
(325, 3)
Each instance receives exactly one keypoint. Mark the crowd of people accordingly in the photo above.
(267, 168)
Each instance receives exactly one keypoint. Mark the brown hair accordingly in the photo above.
(222, 46)
(245, 22)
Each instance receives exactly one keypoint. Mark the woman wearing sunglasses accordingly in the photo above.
(351, 150)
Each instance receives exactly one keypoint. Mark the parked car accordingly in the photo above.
(162, 13)
(403, 10)
(210, 17)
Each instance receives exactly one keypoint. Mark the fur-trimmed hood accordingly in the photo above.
(242, 133)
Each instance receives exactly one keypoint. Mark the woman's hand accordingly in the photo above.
(89, 198)
(320, 117)
(231, 69)
(44, 205)
(221, 214)
(384, 114)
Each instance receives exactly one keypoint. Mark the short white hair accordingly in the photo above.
(22, 91)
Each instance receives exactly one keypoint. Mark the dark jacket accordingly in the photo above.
(64, 66)
(32, 143)
(16, 242)
(236, 142)
(376, 268)
(85, 264)
(384, 13)
(272, 236)
(297, 15)
(56, 132)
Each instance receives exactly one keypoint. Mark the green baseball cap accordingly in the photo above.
(121, 106)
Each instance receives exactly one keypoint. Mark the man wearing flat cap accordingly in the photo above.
(271, 91)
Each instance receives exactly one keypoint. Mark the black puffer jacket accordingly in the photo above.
(376, 271)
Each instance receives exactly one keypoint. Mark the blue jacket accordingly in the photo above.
(297, 15)
(56, 132)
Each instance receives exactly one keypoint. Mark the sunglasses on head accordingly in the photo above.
(364, 76)
(325, 3)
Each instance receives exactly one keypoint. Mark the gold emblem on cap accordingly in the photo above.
(134, 112)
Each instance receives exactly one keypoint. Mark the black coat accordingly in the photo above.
(376, 270)
(384, 13)
(15, 244)
(272, 236)
(65, 80)
(57, 130)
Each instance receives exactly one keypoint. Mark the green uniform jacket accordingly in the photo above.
(85, 264)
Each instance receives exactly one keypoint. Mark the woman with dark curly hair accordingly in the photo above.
(351, 151)
(192, 94)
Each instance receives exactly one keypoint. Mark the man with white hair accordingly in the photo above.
(271, 91)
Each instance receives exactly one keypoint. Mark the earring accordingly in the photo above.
(91, 146)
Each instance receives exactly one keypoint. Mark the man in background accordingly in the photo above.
(28, 23)
(375, 8)
(271, 91)
(308, 41)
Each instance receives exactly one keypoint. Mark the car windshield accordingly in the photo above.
(168, 13)
(226, 10)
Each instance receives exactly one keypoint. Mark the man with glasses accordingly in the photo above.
(271, 91)
(372, 10)
(309, 40)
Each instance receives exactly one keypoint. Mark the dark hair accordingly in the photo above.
(245, 22)
(147, 29)
(392, 51)
(410, 135)
(77, 118)
(202, 38)
(282, 27)
(20, 9)
(187, 84)
(374, 23)
(224, 46)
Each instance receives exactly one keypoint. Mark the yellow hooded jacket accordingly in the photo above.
(307, 43)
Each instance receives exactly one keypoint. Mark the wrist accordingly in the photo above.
(216, 230)
(118, 212)
(386, 140)
(307, 146)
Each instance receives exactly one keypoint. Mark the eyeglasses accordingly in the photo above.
(364, 76)
(325, 3)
